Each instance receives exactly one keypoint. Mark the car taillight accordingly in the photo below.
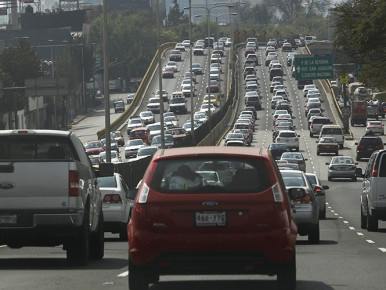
(353, 167)
(74, 183)
(143, 194)
(368, 127)
(375, 170)
(306, 199)
(360, 147)
(112, 198)
(312, 125)
(277, 196)
(301, 162)
(380, 127)
(332, 168)
(378, 146)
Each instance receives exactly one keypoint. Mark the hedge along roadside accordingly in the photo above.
(140, 93)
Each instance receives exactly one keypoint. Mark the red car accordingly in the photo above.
(175, 55)
(168, 72)
(214, 86)
(249, 51)
(212, 210)
(94, 147)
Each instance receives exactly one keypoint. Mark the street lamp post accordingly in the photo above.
(160, 80)
(106, 83)
(191, 81)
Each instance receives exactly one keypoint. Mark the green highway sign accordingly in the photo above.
(313, 67)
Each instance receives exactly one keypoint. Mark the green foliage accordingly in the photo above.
(176, 16)
(132, 42)
(17, 64)
(360, 33)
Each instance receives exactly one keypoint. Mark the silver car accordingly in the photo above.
(320, 193)
(295, 157)
(342, 167)
(116, 204)
(306, 209)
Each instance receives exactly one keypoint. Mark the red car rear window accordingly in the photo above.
(211, 175)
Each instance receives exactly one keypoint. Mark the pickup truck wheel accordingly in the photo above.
(97, 241)
(78, 250)
(371, 222)
(286, 277)
(314, 235)
(137, 277)
(363, 220)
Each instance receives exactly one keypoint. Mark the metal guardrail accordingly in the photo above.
(140, 93)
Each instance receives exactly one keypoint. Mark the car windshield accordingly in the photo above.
(135, 121)
(278, 146)
(237, 175)
(147, 151)
(107, 181)
(327, 140)
(342, 160)
(293, 178)
(93, 145)
(154, 127)
(146, 114)
(291, 155)
(135, 142)
(177, 101)
(154, 100)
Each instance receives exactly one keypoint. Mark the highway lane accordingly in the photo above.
(346, 258)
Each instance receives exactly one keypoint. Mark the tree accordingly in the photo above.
(288, 10)
(17, 64)
(176, 16)
(360, 34)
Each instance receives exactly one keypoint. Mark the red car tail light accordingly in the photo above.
(353, 167)
(375, 170)
(112, 198)
(360, 147)
(378, 147)
(74, 183)
(277, 196)
(143, 194)
(368, 127)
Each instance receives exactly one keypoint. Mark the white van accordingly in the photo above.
(309, 38)
(373, 203)
(333, 131)
(178, 94)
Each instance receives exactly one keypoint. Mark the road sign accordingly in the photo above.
(46, 87)
(313, 68)
(97, 62)
(343, 79)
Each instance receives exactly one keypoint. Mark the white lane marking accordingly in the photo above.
(370, 241)
(335, 214)
(382, 250)
(352, 228)
(359, 234)
(346, 222)
(341, 217)
(124, 274)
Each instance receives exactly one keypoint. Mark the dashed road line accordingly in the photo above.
(382, 250)
(370, 241)
(124, 274)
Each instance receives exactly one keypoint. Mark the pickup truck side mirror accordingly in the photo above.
(358, 172)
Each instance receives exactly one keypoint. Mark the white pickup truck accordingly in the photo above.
(49, 194)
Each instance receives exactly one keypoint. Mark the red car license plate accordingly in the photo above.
(210, 219)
